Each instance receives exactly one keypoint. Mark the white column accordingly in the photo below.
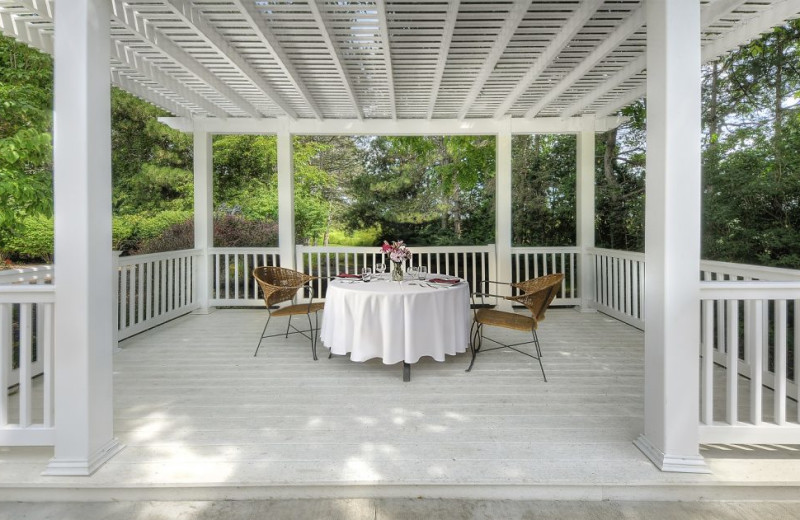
(584, 205)
(203, 216)
(82, 183)
(286, 238)
(672, 237)
(503, 208)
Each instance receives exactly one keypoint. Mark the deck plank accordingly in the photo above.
(195, 408)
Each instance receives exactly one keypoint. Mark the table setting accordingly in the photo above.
(376, 315)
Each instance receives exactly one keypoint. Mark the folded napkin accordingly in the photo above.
(444, 280)
(348, 275)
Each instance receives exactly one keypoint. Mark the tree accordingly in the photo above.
(25, 141)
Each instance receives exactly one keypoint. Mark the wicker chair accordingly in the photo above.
(537, 295)
(279, 285)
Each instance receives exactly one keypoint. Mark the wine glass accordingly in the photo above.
(366, 274)
(380, 267)
(412, 271)
(422, 272)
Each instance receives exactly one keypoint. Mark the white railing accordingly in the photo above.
(472, 263)
(753, 326)
(233, 284)
(153, 289)
(619, 285)
(532, 262)
(26, 373)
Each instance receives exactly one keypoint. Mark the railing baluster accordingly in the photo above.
(573, 293)
(732, 337)
(757, 367)
(46, 344)
(780, 362)
(707, 369)
(123, 298)
(25, 340)
(140, 290)
(6, 344)
(796, 334)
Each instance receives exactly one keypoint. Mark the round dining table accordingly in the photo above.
(396, 321)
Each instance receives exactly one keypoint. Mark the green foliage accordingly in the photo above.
(543, 180)
(229, 231)
(427, 190)
(32, 239)
(25, 142)
(361, 237)
(751, 159)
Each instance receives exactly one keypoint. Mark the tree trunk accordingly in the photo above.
(776, 135)
(609, 156)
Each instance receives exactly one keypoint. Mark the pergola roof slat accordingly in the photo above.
(389, 59)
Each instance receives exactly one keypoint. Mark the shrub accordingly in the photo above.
(359, 237)
(32, 240)
(236, 231)
(229, 231)
(173, 238)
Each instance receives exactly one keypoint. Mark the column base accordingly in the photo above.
(83, 467)
(586, 308)
(664, 462)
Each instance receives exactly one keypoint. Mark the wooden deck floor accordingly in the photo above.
(201, 418)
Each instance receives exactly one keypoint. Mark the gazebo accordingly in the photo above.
(385, 67)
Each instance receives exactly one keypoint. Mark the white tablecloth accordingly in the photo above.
(395, 321)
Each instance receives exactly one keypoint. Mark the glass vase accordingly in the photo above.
(397, 271)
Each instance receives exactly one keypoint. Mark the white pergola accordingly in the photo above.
(423, 67)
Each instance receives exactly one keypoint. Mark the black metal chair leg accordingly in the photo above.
(311, 334)
(536, 341)
(475, 338)
(288, 326)
(262, 335)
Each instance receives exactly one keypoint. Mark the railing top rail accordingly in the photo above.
(548, 249)
(252, 250)
(414, 249)
(136, 259)
(750, 290)
(630, 255)
(752, 271)
(27, 293)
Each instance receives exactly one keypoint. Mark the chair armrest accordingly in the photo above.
(488, 295)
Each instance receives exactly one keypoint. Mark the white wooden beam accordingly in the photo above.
(147, 94)
(714, 11)
(203, 217)
(336, 55)
(146, 68)
(634, 22)
(503, 215)
(387, 54)
(544, 125)
(711, 13)
(565, 35)
(273, 46)
(286, 225)
(775, 15)
(623, 101)
(514, 17)
(194, 19)
(585, 211)
(635, 67)
(444, 51)
(672, 238)
(83, 378)
(123, 15)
